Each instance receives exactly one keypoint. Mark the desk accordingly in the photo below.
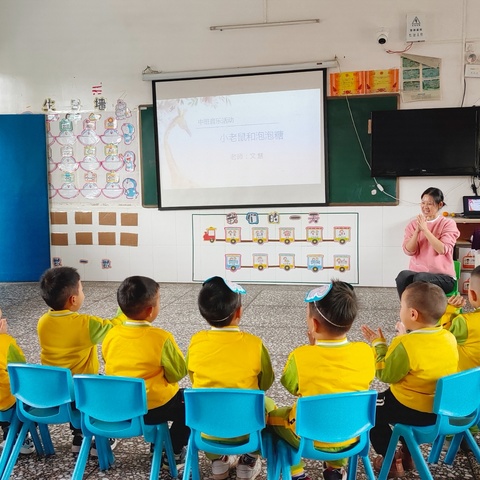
(466, 226)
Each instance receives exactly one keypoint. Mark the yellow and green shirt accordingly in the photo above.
(69, 339)
(10, 353)
(466, 329)
(138, 349)
(330, 366)
(228, 358)
(414, 362)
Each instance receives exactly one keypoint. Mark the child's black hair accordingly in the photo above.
(338, 309)
(135, 294)
(217, 302)
(58, 284)
(428, 299)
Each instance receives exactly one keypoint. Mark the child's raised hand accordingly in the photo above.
(457, 301)
(370, 335)
(400, 328)
(3, 325)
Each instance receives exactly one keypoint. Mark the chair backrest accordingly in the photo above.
(44, 394)
(111, 406)
(225, 413)
(457, 399)
(335, 417)
(458, 268)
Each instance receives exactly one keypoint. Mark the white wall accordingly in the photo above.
(60, 49)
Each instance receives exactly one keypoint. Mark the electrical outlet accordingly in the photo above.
(472, 71)
(416, 27)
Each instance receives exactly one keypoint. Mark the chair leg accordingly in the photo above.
(192, 468)
(389, 456)
(420, 463)
(12, 460)
(9, 442)
(367, 465)
(36, 441)
(106, 457)
(166, 444)
(436, 449)
(46, 439)
(81, 462)
(352, 467)
(472, 443)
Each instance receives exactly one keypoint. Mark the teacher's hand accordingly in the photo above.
(422, 223)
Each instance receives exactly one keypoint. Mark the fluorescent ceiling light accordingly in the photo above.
(265, 24)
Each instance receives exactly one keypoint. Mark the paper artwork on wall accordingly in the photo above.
(92, 157)
(274, 247)
(420, 78)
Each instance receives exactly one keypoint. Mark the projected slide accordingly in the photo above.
(256, 147)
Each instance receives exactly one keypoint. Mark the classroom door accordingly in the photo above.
(24, 210)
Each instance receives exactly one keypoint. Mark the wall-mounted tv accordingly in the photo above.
(432, 141)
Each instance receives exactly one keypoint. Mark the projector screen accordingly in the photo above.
(241, 140)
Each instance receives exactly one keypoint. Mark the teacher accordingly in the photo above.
(430, 241)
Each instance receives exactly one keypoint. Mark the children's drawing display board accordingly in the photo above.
(273, 247)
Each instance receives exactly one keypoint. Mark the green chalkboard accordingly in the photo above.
(148, 157)
(349, 177)
(348, 171)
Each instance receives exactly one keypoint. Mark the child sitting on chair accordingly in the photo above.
(138, 349)
(466, 326)
(10, 352)
(421, 354)
(226, 357)
(68, 338)
(331, 310)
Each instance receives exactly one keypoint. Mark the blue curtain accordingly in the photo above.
(24, 209)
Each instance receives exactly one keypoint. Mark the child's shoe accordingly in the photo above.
(331, 473)
(221, 466)
(77, 442)
(300, 476)
(407, 460)
(248, 467)
(396, 468)
(93, 449)
(179, 459)
(28, 446)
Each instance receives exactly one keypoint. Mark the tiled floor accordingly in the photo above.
(275, 313)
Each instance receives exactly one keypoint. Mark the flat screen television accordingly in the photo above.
(432, 141)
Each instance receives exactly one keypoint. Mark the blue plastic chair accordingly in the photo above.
(122, 419)
(331, 418)
(44, 396)
(457, 405)
(11, 417)
(225, 413)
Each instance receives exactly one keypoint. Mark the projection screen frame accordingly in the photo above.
(232, 75)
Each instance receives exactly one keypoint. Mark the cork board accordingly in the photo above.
(58, 218)
(84, 238)
(129, 239)
(83, 218)
(106, 238)
(129, 219)
(59, 239)
(107, 218)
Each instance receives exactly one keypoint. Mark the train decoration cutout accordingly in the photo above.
(286, 261)
(314, 235)
(286, 235)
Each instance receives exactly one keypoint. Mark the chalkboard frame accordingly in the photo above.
(350, 180)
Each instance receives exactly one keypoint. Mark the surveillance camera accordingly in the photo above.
(382, 37)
